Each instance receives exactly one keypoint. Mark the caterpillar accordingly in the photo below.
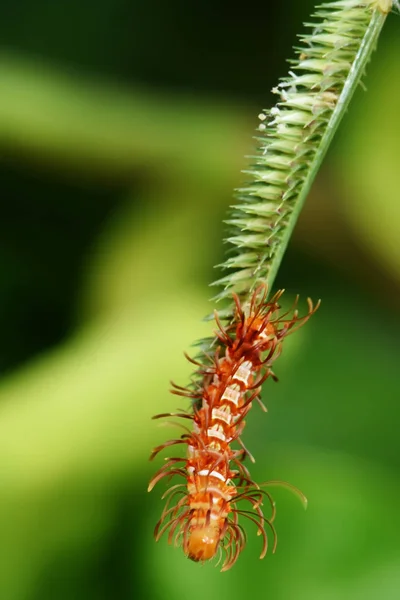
(205, 517)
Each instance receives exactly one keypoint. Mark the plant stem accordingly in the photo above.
(356, 72)
(294, 138)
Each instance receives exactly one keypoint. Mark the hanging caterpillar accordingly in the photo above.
(205, 517)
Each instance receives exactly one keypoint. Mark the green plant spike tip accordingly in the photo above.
(293, 137)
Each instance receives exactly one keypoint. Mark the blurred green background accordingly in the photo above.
(123, 126)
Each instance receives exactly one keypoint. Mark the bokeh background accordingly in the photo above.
(123, 126)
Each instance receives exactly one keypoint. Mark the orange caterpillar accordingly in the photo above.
(205, 517)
